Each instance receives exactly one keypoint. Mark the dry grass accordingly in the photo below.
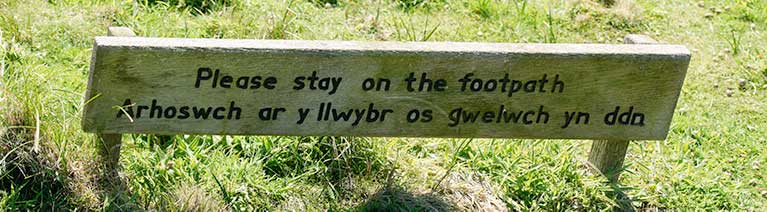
(190, 197)
(471, 192)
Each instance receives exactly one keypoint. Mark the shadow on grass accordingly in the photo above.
(396, 198)
(622, 201)
(113, 190)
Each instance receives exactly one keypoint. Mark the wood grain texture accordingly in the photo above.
(109, 148)
(109, 144)
(597, 79)
(638, 39)
(120, 32)
(608, 156)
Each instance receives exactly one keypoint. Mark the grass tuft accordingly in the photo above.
(194, 6)
(483, 8)
(411, 4)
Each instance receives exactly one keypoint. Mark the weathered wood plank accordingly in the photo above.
(157, 73)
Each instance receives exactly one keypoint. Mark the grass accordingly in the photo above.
(713, 159)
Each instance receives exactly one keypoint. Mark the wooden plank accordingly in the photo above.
(168, 76)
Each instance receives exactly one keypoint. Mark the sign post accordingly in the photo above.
(608, 156)
(172, 86)
(110, 143)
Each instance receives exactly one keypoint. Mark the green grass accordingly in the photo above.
(714, 157)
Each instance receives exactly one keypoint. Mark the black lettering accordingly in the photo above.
(302, 114)
(488, 117)
(512, 117)
(265, 114)
(625, 118)
(184, 111)
(299, 83)
(465, 80)
(611, 117)
(368, 84)
(515, 86)
(427, 117)
(558, 84)
(320, 111)
(525, 119)
(255, 82)
(543, 114)
(410, 79)
(543, 83)
(372, 114)
(505, 81)
(383, 84)
(234, 111)
(216, 115)
(413, 115)
(170, 112)
(338, 116)
(530, 86)
(358, 114)
(476, 85)
(215, 78)
(312, 79)
(201, 113)
(200, 77)
(126, 109)
(140, 108)
(568, 118)
(425, 82)
(470, 117)
(455, 117)
(155, 108)
(242, 82)
(640, 121)
(277, 111)
(491, 85)
(336, 83)
(583, 115)
(440, 84)
(226, 81)
(270, 82)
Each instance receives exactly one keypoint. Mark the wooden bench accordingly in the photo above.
(609, 93)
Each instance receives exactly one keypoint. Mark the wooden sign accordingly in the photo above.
(340, 88)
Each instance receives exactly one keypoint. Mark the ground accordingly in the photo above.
(712, 159)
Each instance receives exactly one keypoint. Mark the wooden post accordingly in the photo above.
(608, 156)
(110, 143)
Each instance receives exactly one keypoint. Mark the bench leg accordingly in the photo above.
(109, 149)
(608, 156)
